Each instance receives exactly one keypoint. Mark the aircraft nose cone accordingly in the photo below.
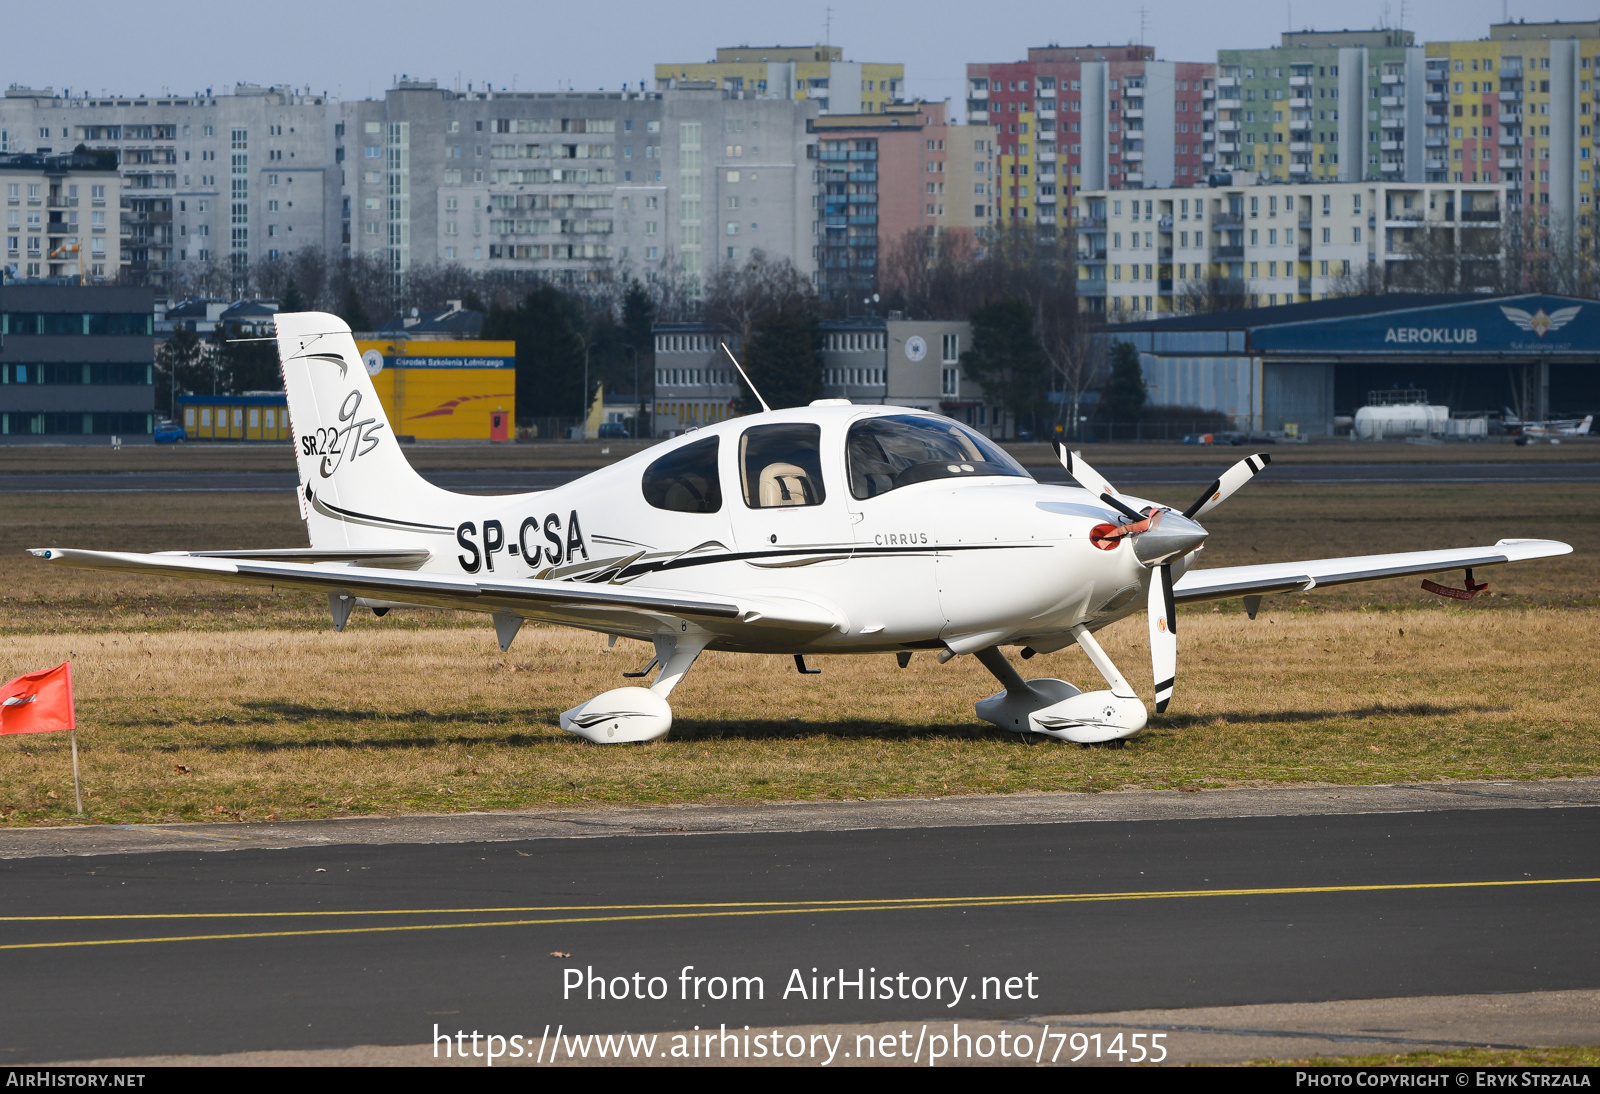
(1173, 535)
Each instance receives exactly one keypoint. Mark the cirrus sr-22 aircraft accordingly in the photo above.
(826, 529)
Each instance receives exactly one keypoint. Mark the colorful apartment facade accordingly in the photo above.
(1091, 117)
(1330, 106)
(818, 73)
(1519, 108)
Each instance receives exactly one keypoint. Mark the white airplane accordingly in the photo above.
(1565, 427)
(825, 529)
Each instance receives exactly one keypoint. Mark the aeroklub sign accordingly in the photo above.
(1525, 324)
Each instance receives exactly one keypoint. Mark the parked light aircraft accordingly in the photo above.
(1556, 429)
(825, 529)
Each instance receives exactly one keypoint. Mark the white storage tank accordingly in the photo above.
(1404, 412)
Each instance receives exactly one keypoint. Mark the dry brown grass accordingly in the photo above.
(272, 714)
(288, 723)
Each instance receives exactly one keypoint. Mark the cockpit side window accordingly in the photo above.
(888, 452)
(781, 466)
(685, 480)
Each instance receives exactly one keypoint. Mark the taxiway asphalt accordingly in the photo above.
(325, 945)
(503, 482)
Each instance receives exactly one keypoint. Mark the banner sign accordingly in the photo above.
(1531, 324)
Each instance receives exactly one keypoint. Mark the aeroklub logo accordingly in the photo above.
(1539, 322)
(350, 440)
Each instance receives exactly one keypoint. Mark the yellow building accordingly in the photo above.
(795, 72)
(456, 390)
(1518, 108)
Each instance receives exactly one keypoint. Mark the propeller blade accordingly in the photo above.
(1163, 636)
(1231, 479)
(1092, 481)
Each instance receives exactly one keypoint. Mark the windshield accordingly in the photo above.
(897, 450)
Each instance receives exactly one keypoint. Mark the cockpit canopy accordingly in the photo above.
(895, 450)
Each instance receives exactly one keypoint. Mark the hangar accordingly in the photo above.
(1304, 364)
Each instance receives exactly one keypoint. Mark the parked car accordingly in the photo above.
(169, 432)
(613, 431)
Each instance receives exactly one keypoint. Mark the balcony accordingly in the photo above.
(1134, 156)
(1091, 257)
(1135, 177)
(1228, 220)
(1305, 222)
(1300, 146)
(1208, 93)
(1390, 78)
(1208, 115)
(1481, 216)
(1090, 224)
(1227, 81)
(1046, 199)
(1092, 288)
(1165, 224)
(1133, 92)
(978, 93)
(1208, 157)
(1164, 254)
(1303, 286)
(1227, 251)
(1132, 112)
(976, 115)
(1510, 118)
(1391, 100)
(1393, 167)
(1305, 252)
(1227, 127)
(1393, 123)
(1047, 111)
(1435, 97)
(1299, 81)
(1164, 286)
(1510, 162)
(1047, 93)
(1392, 146)
(1510, 142)
(1046, 157)
(1227, 146)
(1511, 96)
(1437, 142)
(1434, 165)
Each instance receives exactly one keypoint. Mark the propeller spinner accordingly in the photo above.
(1160, 537)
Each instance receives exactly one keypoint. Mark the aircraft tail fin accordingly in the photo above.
(356, 487)
(1583, 428)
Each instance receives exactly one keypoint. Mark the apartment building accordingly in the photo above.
(1274, 244)
(63, 216)
(1091, 117)
(819, 74)
(882, 176)
(569, 186)
(1519, 108)
(229, 178)
(1323, 106)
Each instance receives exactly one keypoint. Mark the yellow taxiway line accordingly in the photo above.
(623, 913)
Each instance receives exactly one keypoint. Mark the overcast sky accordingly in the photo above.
(354, 48)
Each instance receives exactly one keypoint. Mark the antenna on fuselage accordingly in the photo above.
(742, 373)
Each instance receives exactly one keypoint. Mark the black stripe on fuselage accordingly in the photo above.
(850, 550)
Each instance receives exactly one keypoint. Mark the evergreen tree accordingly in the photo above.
(352, 311)
(292, 300)
(1124, 394)
(549, 352)
(1007, 361)
(785, 359)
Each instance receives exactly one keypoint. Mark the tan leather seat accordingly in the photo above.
(785, 484)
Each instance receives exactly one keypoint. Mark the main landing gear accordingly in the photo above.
(1055, 708)
(634, 714)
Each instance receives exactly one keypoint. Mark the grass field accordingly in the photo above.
(212, 703)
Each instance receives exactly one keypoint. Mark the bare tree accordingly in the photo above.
(1213, 294)
(738, 297)
(1365, 280)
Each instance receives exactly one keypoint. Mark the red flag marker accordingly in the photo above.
(41, 702)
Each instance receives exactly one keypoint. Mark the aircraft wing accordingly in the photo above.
(628, 610)
(1225, 582)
